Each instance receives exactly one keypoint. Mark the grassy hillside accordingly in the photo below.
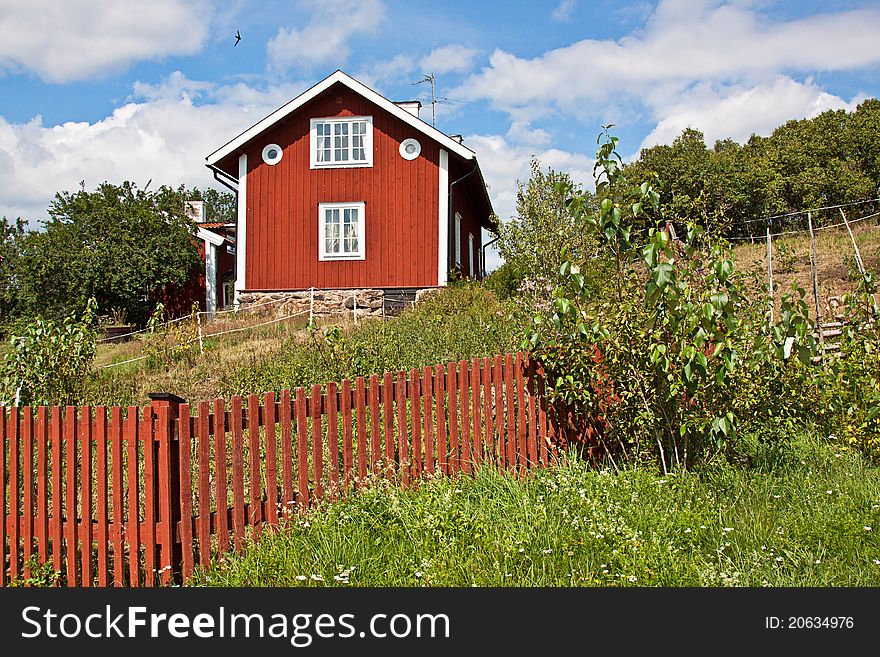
(836, 266)
(461, 322)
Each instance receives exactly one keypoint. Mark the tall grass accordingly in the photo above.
(805, 514)
(465, 321)
(461, 322)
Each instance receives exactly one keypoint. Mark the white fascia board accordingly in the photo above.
(210, 236)
(443, 219)
(241, 228)
(357, 87)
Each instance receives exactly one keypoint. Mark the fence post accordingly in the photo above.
(166, 495)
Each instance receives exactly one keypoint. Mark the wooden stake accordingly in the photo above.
(859, 263)
(770, 271)
(814, 269)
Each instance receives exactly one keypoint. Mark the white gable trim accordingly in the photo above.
(358, 88)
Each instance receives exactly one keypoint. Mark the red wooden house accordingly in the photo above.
(346, 192)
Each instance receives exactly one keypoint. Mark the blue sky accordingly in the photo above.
(93, 90)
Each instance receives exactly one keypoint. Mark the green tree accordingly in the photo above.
(11, 236)
(543, 233)
(118, 244)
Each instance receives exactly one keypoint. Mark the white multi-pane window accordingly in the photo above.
(341, 231)
(342, 142)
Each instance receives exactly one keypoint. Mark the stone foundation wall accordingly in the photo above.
(373, 302)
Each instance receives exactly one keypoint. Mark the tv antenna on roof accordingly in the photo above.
(429, 78)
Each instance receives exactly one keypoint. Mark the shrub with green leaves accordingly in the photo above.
(48, 363)
(671, 361)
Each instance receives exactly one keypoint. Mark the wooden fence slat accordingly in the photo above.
(510, 410)
(150, 488)
(184, 421)
(375, 436)
(317, 444)
(132, 429)
(271, 459)
(332, 440)
(4, 449)
(70, 427)
(427, 403)
(452, 410)
(542, 421)
(476, 433)
(498, 396)
(361, 414)
(521, 448)
(222, 485)
(26, 431)
(532, 422)
(302, 449)
(85, 469)
(118, 502)
(42, 528)
(286, 453)
(388, 419)
(464, 403)
(256, 512)
(416, 421)
(12, 431)
(439, 403)
(488, 442)
(238, 519)
(57, 467)
(101, 500)
(402, 451)
(203, 452)
(347, 447)
(162, 434)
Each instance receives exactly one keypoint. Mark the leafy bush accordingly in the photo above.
(49, 363)
(671, 362)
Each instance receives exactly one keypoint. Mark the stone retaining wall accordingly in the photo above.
(373, 302)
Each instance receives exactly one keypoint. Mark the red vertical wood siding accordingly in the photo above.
(401, 204)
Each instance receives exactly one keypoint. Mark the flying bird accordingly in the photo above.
(237, 37)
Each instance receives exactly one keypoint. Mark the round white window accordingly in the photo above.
(272, 154)
(410, 149)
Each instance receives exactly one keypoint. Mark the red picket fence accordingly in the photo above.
(139, 498)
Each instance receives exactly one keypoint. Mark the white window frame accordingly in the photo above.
(341, 164)
(457, 239)
(323, 255)
(471, 254)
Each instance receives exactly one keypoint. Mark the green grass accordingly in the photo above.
(460, 322)
(805, 514)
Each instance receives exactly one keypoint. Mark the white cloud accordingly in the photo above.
(79, 39)
(392, 71)
(739, 111)
(453, 58)
(163, 132)
(324, 40)
(683, 43)
(564, 10)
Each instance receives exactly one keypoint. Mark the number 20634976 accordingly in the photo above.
(809, 622)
